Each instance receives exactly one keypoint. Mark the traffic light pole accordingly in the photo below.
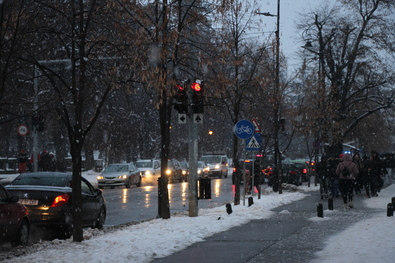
(193, 156)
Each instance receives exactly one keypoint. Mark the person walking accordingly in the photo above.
(23, 160)
(333, 178)
(323, 177)
(375, 172)
(359, 180)
(347, 172)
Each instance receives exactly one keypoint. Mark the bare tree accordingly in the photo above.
(354, 81)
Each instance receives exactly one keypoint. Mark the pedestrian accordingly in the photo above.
(359, 180)
(347, 172)
(333, 178)
(375, 172)
(23, 159)
(323, 176)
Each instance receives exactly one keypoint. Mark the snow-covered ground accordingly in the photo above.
(373, 242)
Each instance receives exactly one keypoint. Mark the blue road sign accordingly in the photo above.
(244, 129)
(254, 143)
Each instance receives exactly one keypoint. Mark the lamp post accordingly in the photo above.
(277, 101)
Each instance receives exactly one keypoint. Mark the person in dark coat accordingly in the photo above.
(375, 172)
(346, 181)
(323, 177)
(333, 178)
(359, 180)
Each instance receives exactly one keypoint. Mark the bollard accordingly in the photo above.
(229, 208)
(330, 203)
(250, 201)
(390, 209)
(393, 201)
(320, 210)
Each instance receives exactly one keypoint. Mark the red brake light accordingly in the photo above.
(292, 172)
(305, 171)
(234, 169)
(60, 200)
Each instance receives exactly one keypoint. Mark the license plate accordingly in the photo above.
(110, 182)
(28, 202)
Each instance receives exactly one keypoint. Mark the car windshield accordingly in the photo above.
(200, 165)
(116, 168)
(211, 159)
(184, 165)
(42, 180)
(144, 164)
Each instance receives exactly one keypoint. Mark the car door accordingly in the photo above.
(134, 173)
(8, 215)
(90, 202)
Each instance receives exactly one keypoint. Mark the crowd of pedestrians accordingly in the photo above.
(46, 162)
(348, 174)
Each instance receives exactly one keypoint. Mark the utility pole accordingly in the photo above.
(277, 101)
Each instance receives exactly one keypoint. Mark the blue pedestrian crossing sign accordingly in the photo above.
(254, 143)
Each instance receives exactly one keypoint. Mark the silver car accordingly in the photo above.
(120, 174)
(150, 170)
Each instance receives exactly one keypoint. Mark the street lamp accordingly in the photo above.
(277, 154)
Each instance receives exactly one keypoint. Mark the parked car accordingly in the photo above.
(14, 220)
(292, 174)
(203, 170)
(184, 171)
(174, 171)
(120, 174)
(150, 171)
(48, 199)
(303, 168)
(218, 164)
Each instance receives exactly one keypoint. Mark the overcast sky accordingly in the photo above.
(289, 10)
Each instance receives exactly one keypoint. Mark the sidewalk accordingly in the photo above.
(293, 234)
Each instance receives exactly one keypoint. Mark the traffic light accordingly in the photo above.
(197, 97)
(38, 123)
(181, 97)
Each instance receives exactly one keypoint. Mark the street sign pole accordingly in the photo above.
(193, 156)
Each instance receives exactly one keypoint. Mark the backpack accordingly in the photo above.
(346, 172)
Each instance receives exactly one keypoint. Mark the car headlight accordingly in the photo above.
(168, 172)
(207, 169)
(148, 172)
(217, 166)
(199, 171)
(100, 177)
(184, 172)
(123, 176)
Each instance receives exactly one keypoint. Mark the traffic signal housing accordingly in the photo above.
(181, 97)
(197, 97)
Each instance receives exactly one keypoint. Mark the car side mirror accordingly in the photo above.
(99, 192)
(14, 199)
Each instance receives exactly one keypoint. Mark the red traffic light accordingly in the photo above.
(196, 86)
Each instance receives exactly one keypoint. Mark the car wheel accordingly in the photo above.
(99, 224)
(139, 182)
(22, 236)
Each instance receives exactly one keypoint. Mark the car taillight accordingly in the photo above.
(234, 169)
(60, 200)
(293, 172)
(305, 171)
